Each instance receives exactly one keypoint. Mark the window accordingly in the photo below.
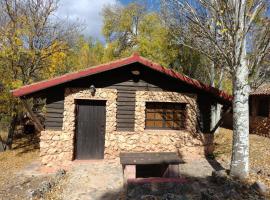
(263, 107)
(165, 115)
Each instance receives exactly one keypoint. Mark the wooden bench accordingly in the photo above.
(169, 160)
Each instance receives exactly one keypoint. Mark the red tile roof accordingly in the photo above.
(135, 58)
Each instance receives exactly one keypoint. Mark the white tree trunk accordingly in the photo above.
(241, 89)
(240, 150)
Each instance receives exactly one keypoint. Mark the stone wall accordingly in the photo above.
(188, 143)
(182, 142)
(57, 147)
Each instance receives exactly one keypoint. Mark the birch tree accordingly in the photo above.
(229, 28)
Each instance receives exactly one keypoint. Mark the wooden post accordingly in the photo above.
(129, 172)
(2, 145)
(36, 121)
(172, 171)
(221, 120)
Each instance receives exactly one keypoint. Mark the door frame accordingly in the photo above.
(76, 126)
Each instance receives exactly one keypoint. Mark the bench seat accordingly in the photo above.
(166, 162)
(149, 158)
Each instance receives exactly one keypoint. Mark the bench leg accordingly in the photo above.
(172, 171)
(129, 173)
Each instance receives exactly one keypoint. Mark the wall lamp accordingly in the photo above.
(136, 72)
(92, 90)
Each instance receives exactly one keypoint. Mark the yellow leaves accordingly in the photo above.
(18, 41)
(132, 29)
(16, 84)
(154, 40)
(121, 20)
(129, 15)
(85, 53)
(224, 30)
(218, 23)
(55, 64)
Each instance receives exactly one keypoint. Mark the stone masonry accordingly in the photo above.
(57, 147)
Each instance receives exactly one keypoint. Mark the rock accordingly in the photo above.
(219, 177)
(45, 186)
(133, 192)
(195, 186)
(154, 187)
(170, 196)
(32, 194)
(149, 197)
(231, 194)
(208, 195)
(259, 187)
(60, 174)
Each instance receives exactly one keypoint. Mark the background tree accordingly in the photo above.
(32, 43)
(228, 31)
(211, 69)
(138, 28)
(84, 53)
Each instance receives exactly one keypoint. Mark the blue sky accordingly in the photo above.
(88, 13)
(125, 1)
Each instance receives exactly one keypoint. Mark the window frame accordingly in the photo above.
(182, 112)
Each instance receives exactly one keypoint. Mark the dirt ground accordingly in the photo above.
(79, 184)
(14, 182)
(91, 180)
(259, 154)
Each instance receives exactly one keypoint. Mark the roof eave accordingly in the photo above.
(35, 87)
(135, 58)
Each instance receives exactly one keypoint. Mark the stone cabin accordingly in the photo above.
(129, 105)
(259, 102)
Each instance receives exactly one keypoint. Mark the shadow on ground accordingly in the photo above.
(214, 163)
(26, 143)
(216, 187)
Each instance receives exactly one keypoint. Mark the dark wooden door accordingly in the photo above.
(90, 129)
